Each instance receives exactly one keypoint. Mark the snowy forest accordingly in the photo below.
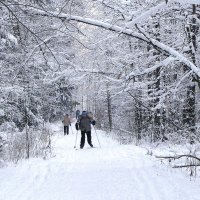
(133, 63)
(132, 69)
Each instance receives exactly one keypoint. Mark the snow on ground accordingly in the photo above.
(113, 172)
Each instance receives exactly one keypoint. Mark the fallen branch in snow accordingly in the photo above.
(178, 157)
(185, 166)
(123, 130)
(194, 163)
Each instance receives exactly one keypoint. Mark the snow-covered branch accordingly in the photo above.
(169, 51)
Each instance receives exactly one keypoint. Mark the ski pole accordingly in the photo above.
(71, 130)
(97, 137)
(76, 139)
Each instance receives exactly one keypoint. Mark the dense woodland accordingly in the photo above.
(133, 63)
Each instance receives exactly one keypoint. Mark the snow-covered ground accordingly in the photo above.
(112, 172)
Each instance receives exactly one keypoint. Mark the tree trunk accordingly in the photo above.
(109, 108)
(189, 107)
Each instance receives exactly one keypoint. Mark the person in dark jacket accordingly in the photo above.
(77, 114)
(84, 124)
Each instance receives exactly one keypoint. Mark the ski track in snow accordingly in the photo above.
(113, 172)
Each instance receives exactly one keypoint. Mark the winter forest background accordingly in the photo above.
(133, 63)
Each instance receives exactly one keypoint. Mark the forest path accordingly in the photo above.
(113, 172)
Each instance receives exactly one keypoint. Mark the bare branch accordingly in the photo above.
(178, 157)
(36, 37)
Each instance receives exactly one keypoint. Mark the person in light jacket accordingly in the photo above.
(66, 123)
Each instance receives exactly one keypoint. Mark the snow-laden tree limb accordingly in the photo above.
(168, 51)
(151, 69)
(155, 9)
(176, 54)
(75, 68)
(181, 80)
(145, 15)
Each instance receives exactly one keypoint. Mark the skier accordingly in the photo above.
(77, 114)
(84, 124)
(67, 123)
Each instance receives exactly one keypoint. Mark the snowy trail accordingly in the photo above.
(113, 172)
